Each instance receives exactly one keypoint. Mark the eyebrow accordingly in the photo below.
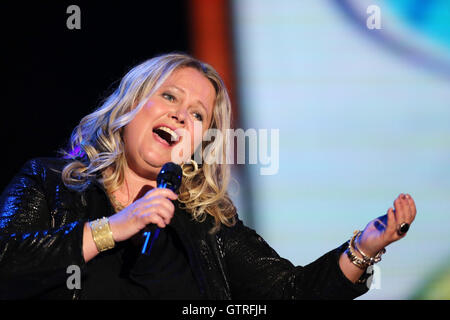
(184, 92)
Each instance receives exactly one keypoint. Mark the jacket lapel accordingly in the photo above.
(189, 233)
(203, 253)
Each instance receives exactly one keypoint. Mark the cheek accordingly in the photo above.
(129, 139)
(134, 132)
(131, 132)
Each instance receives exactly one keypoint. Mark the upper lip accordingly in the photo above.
(165, 125)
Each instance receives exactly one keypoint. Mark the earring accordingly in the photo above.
(193, 171)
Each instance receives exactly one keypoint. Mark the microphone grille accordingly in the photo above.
(170, 176)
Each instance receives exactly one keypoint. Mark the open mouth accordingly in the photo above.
(167, 136)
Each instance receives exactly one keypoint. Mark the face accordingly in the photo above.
(183, 102)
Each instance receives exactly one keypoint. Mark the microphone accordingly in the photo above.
(169, 177)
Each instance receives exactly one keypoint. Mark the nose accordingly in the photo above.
(179, 116)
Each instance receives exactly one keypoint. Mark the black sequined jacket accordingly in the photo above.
(41, 232)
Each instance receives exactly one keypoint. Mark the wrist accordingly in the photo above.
(113, 225)
(102, 234)
(89, 247)
(366, 249)
(360, 258)
(362, 247)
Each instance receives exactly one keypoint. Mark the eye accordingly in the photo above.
(198, 116)
(169, 97)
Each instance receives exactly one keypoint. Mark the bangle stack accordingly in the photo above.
(102, 235)
(366, 261)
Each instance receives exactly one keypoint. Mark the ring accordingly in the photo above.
(402, 228)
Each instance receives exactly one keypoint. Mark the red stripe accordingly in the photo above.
(211, 40)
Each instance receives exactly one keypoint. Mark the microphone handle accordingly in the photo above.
(151, 232)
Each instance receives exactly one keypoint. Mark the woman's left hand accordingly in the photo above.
(385, 229)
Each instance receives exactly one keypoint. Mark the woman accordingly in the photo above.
(92, 208)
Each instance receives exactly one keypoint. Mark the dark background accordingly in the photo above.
(54, 76)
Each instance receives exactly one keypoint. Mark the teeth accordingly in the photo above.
(169, 131)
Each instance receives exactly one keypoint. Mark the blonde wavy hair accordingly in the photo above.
(96, 143)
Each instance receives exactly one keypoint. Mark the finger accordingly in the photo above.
(412, 206)
(163, 212)
(153, 218)
(168, 205)
(409, 213)
(166, 215)
(391, 221)
(164, 192)
(406, 214)
(400, 209)
(164, 208)
(160, 201)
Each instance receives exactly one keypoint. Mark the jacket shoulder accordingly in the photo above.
(45, 163)
(48, 162)
(44, 168)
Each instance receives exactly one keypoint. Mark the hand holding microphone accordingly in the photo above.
(155, 207)
(169, 177)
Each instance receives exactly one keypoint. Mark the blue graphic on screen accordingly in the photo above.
(428, 16)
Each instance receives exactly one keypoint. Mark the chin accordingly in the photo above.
(156, 161)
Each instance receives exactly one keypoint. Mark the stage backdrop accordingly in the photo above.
(361, 97)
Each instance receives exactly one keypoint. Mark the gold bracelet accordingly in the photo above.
(102, 235)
